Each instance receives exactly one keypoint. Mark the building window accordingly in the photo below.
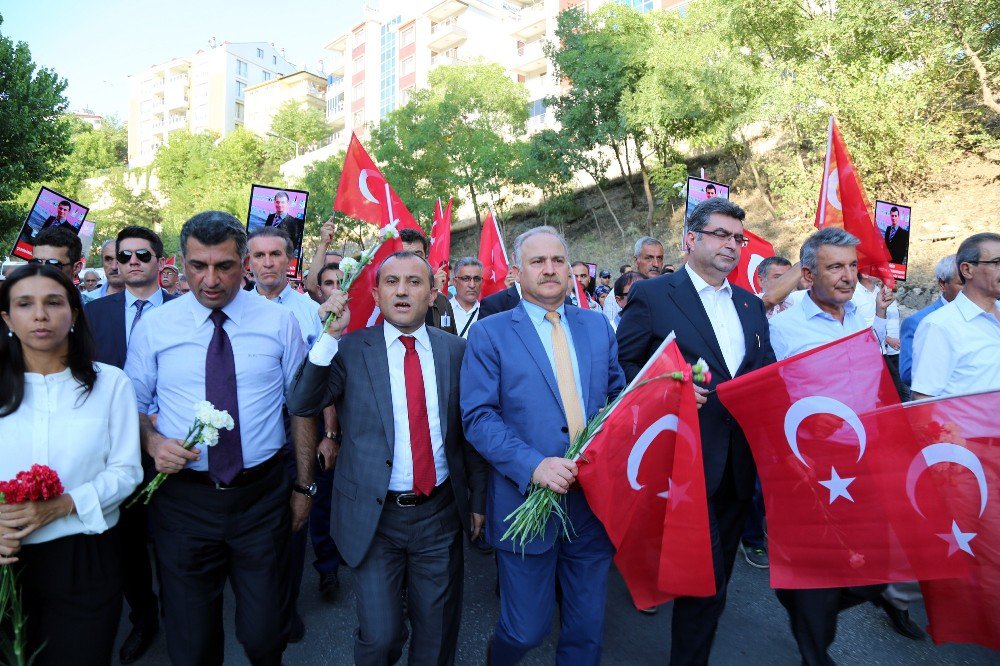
(241, 68)
(359, 36)
(536, 108)
(240, 87)
(358, 92)
(267, 76)
(407, 66)
(387, 68)
(407, 36)
(641, 6)
(239, 111)
(359, 64)
(260, 53)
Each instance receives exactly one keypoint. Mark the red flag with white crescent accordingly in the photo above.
(843, 203)
(364, 194)
(493, 256)
(644, 479)
(745, 273)
(581, 295)
(439, 255)
(829, 443)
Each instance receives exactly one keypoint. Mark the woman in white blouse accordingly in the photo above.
(59, 408)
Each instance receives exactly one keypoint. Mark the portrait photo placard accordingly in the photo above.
(699, 189)
(893, 221)
(272, 206)
(51, 209)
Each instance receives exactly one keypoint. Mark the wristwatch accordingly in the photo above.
(309, 491)
(333, 436)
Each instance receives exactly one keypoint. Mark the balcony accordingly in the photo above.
(530, 60)
(530, 23)
(446, 9)
(449, 57)
(446, 35)
(335, 64)
(177, 121)
(336, 113)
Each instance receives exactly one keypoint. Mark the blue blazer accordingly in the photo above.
(106, 317)
(512, 413)
(907, 330)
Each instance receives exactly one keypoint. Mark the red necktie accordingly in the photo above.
(424, 473)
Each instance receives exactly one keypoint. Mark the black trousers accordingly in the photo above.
(71, 593)
(695, 619)
(203, 537)
(813, 616)
(137, 571)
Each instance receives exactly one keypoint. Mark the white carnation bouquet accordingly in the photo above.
(208, 421)
(352, 267)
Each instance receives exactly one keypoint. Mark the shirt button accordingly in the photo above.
(379, 501)
(388, 463)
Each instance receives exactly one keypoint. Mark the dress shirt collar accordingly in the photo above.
(282, 297)
(392, 334)
(968, 309)
(234, 310)
(457, 304)
(700, 285)
(54, 378)
(537, 312)
(154, 300)
(812, 310)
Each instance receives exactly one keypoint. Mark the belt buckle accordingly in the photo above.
(221, 486)
(406, 499)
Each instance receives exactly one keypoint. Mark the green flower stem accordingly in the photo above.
(193, 437)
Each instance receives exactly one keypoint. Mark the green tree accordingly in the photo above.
(304, 126)
(94, 151)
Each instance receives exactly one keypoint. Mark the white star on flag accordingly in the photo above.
(838, 485)
(958, 540)
(676, 493)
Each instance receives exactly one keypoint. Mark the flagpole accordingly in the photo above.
(826, 177)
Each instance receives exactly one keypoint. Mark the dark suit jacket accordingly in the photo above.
(53, 222)
(292, 224)
(670, 303)
(106, 317)
(357, 382)
(442, 306)
(899, 245)
(503, 301)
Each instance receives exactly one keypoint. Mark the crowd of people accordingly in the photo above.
(390, 447)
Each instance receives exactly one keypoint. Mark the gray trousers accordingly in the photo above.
(421, 545)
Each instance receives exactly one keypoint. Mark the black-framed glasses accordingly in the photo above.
(992, 263)
(49, 262)
(724, 236)
(124, 256)
(466, 279)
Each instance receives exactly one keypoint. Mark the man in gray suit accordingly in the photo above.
(407, 482)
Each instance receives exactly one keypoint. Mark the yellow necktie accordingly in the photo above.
(564, 377)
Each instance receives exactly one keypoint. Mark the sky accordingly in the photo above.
(96, 45)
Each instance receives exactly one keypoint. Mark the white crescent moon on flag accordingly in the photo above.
(819, 404)
(945, 452)
(373, 319)
(833, 189)
(755, 260)
(363, 186)
(668, 422)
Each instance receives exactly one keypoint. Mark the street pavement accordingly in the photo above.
(753, 630)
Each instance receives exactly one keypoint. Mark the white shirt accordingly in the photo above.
(891, 328)
(865, 302)
(956, 350)
(92, 444)
(462, 316)
(401, 477)
(130, 309)
(723, 317)
(166, 363)
(305, 309)
(805, 326)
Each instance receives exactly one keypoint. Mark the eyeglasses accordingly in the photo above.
(992, 263)
(724, 236)
(124, 256)
(466, 279)
(49, 262)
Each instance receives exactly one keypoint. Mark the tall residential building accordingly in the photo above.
(202, 92)
(305, 89)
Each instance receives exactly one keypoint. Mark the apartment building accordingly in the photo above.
(202, 92)
(263, 100)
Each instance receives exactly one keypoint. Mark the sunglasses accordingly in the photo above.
(124, 256)
(49, 262)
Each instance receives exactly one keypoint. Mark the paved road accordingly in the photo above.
(753, 630)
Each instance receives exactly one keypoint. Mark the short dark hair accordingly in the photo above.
(404, 255)
(893, 210)
(969, 250)
(274, 232)
(624, 280)
(413, 236)
(698, 219)
(581, 263)
(141, 233)
(764, 266)
(623, 269)
(64, 203)
(332, 266)
(61, 237)
(214, 227)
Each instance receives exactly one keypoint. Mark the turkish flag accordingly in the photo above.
(581, 295)
(827, 435)
(493, 256)
(843, 203)
(440, 252)
(955, 457)
(745, 273)
(643, 477)
(364, 193)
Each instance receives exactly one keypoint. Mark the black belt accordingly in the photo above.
(245, 478)
(413, 499)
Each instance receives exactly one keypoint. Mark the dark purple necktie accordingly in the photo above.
(225, 459)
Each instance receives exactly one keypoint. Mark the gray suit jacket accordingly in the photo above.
(357, 382)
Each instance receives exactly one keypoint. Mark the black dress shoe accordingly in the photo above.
(901, 621)
(298, 630)
(136, 643)
(329, 585)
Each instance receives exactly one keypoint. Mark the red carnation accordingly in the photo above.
(38, 483)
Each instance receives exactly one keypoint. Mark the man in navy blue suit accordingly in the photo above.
(727, 326)
(139, 253)
(531, 378)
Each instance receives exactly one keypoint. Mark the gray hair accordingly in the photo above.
(214, 227)
(764, 266)
(88, 274)
(467, 261)
(829, 236)
(946, 269)
(645, 240)
(968, 251)
(519, 241)
(274, 232)
(698, 219)
(108, 242)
